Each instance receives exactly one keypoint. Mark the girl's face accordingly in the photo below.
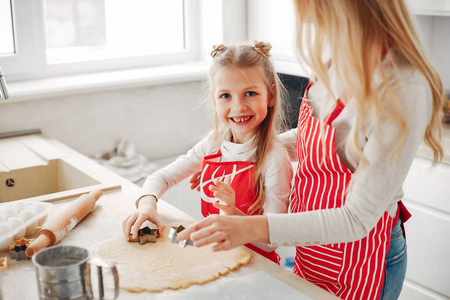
(241, 98)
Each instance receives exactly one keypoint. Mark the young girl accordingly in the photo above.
(376, 98)
(242, 163)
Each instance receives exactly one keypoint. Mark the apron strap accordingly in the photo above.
(404, 214)
(336, 111)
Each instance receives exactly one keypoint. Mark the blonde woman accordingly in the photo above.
(376, 97)
(243, 165)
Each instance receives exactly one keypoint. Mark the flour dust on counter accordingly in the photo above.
(258, 285)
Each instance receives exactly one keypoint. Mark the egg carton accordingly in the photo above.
(20, 219)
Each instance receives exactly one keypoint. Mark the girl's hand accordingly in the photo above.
(146, 211)
(227, 231)
(195, 181)
(225, 193)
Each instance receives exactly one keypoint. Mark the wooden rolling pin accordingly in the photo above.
(57, 228)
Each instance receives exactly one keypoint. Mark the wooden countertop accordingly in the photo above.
(104, 222)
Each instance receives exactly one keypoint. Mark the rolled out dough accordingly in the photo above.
(155, 267)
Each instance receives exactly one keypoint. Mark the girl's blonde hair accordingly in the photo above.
(354, 33)
(246, 57)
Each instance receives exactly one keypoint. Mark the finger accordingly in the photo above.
(161, 228)
(215, 237)
(220, 206)
(137, 225)
(224, 196)
(160, 224)
(224, 185)
(124, 223)
(222, 193)
(195, 177)
(228, 180)
(127, 224)
(195, 181)
(205, 232)
(224, 245)
(193, 228)
(194, 185)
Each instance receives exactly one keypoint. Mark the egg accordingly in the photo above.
(19, 206)
(8, 213)
(5, 241)
(36, 208)
(4, 229)
(15, 223)
(26, 215)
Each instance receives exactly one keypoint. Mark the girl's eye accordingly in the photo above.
(225, 96)
(249, 94)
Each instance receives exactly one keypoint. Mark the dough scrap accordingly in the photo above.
(154, 267)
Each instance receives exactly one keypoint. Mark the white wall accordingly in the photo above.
(273, 21)
(162, 121)
(434, 33)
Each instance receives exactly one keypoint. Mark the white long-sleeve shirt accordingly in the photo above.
(277, 171)
(376, 188)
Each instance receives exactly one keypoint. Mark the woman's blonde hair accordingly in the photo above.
(245, 57)
(354, 33)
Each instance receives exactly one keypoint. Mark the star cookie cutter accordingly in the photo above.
(17, 249)
(174, 231)
(146, 235)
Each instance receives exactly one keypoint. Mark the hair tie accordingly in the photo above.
(217, 50)
(263, 48)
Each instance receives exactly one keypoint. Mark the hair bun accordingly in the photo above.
(217, 49)
(263, 48)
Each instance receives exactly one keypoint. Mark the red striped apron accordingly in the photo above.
(353, 270)
(241, 173)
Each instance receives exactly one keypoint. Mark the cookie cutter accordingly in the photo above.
(146, 235)
(174, 231)
(17, 249)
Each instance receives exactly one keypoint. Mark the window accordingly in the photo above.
(60, 37)
(6, 32)
(87, 29)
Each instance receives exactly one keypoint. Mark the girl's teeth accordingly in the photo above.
(238, 120)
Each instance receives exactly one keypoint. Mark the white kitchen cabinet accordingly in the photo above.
(427, 197)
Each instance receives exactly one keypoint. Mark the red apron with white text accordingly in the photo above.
(241, 173)
(353, 270)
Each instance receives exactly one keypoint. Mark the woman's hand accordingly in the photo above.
(225, 193)
(227, 231)
(146, 211)
(195, 181)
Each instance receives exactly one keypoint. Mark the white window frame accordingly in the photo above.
(29, 61)
(211, 22)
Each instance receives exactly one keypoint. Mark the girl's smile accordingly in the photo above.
(241, 98)
(241, 120)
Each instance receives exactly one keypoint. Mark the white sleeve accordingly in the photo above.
(185, 165)
(375, 187)
(289, 140)
(277, 174)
